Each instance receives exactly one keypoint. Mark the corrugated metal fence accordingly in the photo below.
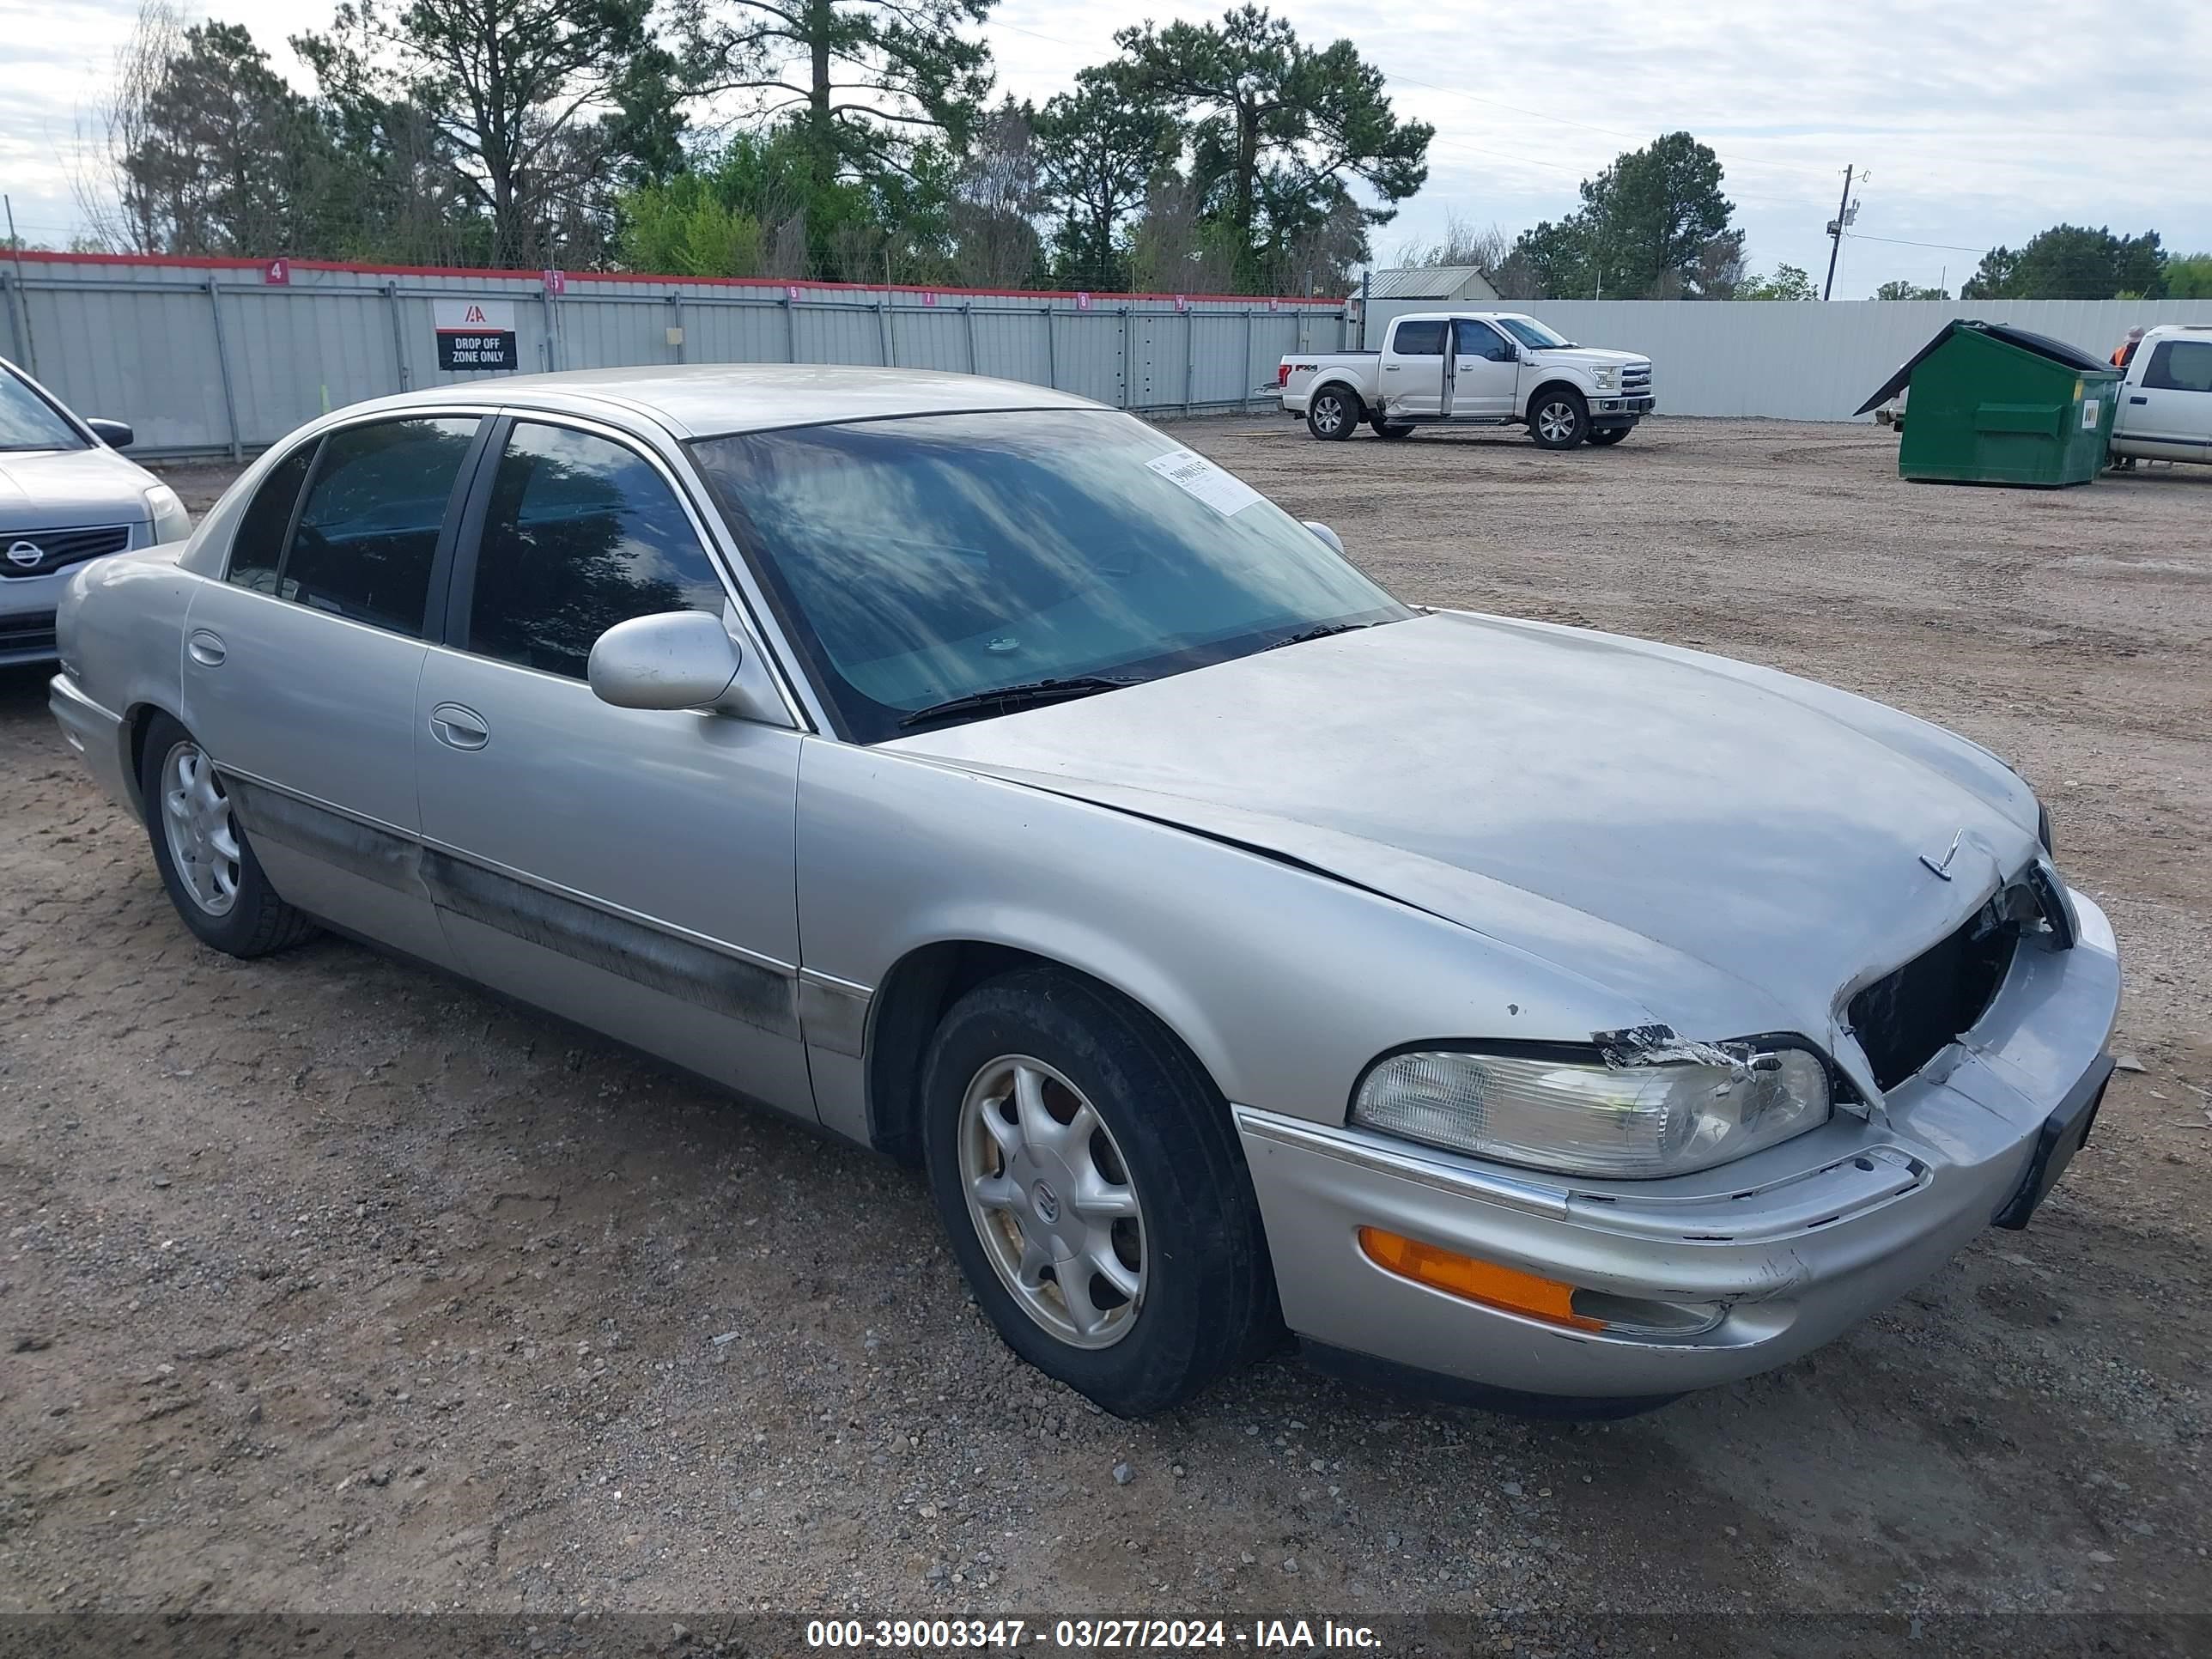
(214, 357)
(1804, 361)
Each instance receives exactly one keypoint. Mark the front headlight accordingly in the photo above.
(1584, 1117)
(1607, 380)
(171, 523)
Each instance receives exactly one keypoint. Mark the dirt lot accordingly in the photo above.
(330, 1285)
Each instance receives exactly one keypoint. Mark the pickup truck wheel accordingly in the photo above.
(206, 863)
(1558, 417)
(1610, 434)
(1089, 1181)
(1391, 430)
(1332, 414)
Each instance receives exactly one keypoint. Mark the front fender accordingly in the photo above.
(1284, 981)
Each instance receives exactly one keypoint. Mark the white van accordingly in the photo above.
(2166, 401)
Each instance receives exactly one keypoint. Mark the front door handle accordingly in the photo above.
(459, 727)
(206, 649)
(2138, 400)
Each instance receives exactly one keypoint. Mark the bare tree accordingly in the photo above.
(1462, 244)
(1172, 249)
(995, 242)
(118, 129)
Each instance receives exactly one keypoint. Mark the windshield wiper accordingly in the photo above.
(1005, 699)
(1321, 632)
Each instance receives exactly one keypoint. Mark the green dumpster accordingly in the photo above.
(1996, 404)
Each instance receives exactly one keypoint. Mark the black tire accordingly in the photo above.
(1208, 1301)
(1560, 411)
(1333, 411)
(256, 922)
(1391, 429)
(1609, 434)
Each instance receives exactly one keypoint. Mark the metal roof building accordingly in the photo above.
(1439, 282)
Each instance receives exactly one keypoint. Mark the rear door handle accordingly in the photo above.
(2138, 400)
(459, 727)
(206, 647)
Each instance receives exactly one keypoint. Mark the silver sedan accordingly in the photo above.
(65, 496)
(1559, 1019)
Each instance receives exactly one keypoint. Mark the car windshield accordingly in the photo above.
(29, 421)
(919, 559)
(1532, 333)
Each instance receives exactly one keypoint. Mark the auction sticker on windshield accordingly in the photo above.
(1224, 492)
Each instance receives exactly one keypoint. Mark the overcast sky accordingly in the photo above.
(1980, 123)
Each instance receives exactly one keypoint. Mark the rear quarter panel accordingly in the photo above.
(120, 625)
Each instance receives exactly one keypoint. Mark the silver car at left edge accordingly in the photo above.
(1533, 1015)
(65, 496)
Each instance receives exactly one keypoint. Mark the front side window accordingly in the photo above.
(581, 533)
(1481, 340)
(1532, 333)
(257, 551)
(29, 421)
(920, 560)
(367, 535)
(2180, 366)
(1418, 339)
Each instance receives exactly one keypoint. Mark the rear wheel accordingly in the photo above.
(206, 863)
(1088, 1176)
(1609, 434)
(1391, 429)
(1558, 417)
(1331, 412)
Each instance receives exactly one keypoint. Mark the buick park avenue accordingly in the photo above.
(1560, 1019)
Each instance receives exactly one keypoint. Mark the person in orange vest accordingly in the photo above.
(2124, 353)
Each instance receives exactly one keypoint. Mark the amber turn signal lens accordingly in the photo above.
(1484, 1282)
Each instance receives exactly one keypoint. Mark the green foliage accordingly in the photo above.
(2189, 276)
(1787, 282)
(2072, 261)
(1646, 229)
(1903, 290)
(1276, 133)
(1097, 148)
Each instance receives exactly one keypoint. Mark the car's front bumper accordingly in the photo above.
(26, 614)
(1621, 410)
(1787, 1257)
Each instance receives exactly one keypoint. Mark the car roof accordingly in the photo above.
(706, 400)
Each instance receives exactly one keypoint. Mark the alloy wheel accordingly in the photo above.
(202, 837)
(1052, 1200)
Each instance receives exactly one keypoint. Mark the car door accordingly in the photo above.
(630, 869)
(1485, 370)
(299, 666)
(1415, 369)
(2170, 405)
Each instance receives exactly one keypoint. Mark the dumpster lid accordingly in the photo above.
(2041, 344)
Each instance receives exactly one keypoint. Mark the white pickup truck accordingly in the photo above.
(2165, 402)
(1470, 369)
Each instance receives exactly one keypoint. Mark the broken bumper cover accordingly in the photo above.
(94, 733)
(1786, 1248)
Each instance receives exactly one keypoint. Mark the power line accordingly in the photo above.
(1900, 241)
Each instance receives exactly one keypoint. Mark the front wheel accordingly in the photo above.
(1332, 413)
(1558, 418)
(1610, 434)
(1088, 1176)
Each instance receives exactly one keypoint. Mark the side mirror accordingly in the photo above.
(1325, 533)
(116, 435)
(1512, 352)
(676, 659)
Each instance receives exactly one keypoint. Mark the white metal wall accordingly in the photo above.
(204, 359)
(1803, 362)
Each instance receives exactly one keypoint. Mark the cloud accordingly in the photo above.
(1982, 122)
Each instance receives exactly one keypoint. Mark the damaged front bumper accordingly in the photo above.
(1710, 1276)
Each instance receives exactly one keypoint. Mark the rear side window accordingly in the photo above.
(581, 533)
(368, 531)
(2180, 366)
(258, 549)
(1418, 339)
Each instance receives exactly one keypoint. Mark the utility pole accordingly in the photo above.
(1836, 232)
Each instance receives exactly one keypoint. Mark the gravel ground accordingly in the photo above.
(330, 1285)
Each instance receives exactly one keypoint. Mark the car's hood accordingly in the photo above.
(58, 489)
(1582, 357)
(1736, 849)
